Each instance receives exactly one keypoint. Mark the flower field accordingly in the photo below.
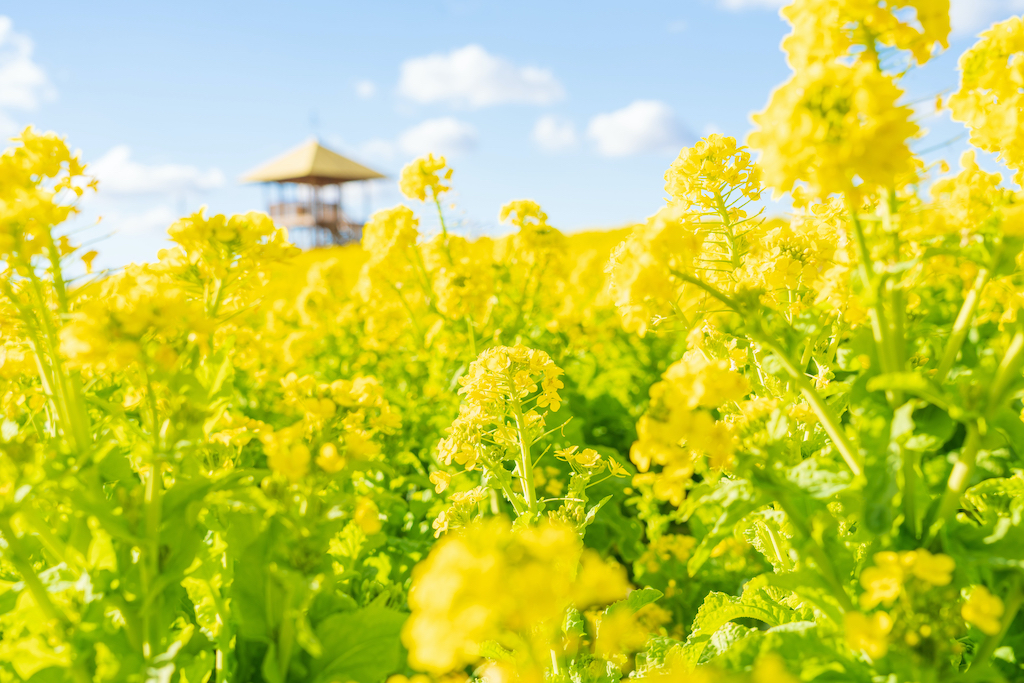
(719, 445)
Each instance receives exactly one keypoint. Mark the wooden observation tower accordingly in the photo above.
(309, 180)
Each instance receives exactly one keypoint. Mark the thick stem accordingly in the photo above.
(962, 326)
(515, 499)
(959, 478)
(472, 336)
(525, 459)
(1009, 370)
(68, 399)
(821, 409)
(153, 513)
(910, 491)
(35, 587)
(879, 322)
(440, 215)
(821, 558)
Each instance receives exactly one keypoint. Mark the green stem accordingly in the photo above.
(515, 499)
(818, 405)
(821, 409)
(821, 558)
(286, 639)
(76, 427)
(153, 512)
(1009, 370)
(710, 289)
(963, 469)
(910, 491)
(962, 326)
(440, 215)
(525, 460)
(40, 595)
(472, 336)
(879, 321)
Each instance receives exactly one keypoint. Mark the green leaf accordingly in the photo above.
(642, 597)
(718, 609)
(592, 512)
(929, 427)
(821, 480)
(361, 646)
(911, 383)
(739, 499)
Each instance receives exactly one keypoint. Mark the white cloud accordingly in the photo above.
(377, 149)
(554, 134)
(23, 83)
(643, 126)
(970, 16)
(119, 174)
(150, 222)
(677, 26)
(470, 76)
(711, 129)
(736, 5)
(445, 135)
(366, 89)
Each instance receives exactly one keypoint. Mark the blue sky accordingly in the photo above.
(579, 106)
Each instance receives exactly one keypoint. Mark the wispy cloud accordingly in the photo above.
(554, 134)
(471, 76)
(643, 126)
(118, 173)
(23, 83)
(445, 135)
(970, 16)
(736, 5)
(366, 89)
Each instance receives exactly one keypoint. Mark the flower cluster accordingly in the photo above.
(706, 177)
(137, 313)
(497, 585)
(909, 585)
(29, 207)
(827, 30)
(425, 178)
(989, 99)
(680, 425)
(504, 390)
(837, 128)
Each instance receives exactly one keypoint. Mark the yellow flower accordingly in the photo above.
(826, 30)
(882, 583)
(868, 634)
(934, 569)
(440, 480)
(329, 459)
(835, 127)
(88, 257)
(971, 198)
(493, 582)
(523, 212)
(704, 174)
(291, 461)
(367, 516)
(588, 458)
(983, 610)
(389, 232)
(425, 177)
(990, 98)
(771, 668)
(643, 271)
